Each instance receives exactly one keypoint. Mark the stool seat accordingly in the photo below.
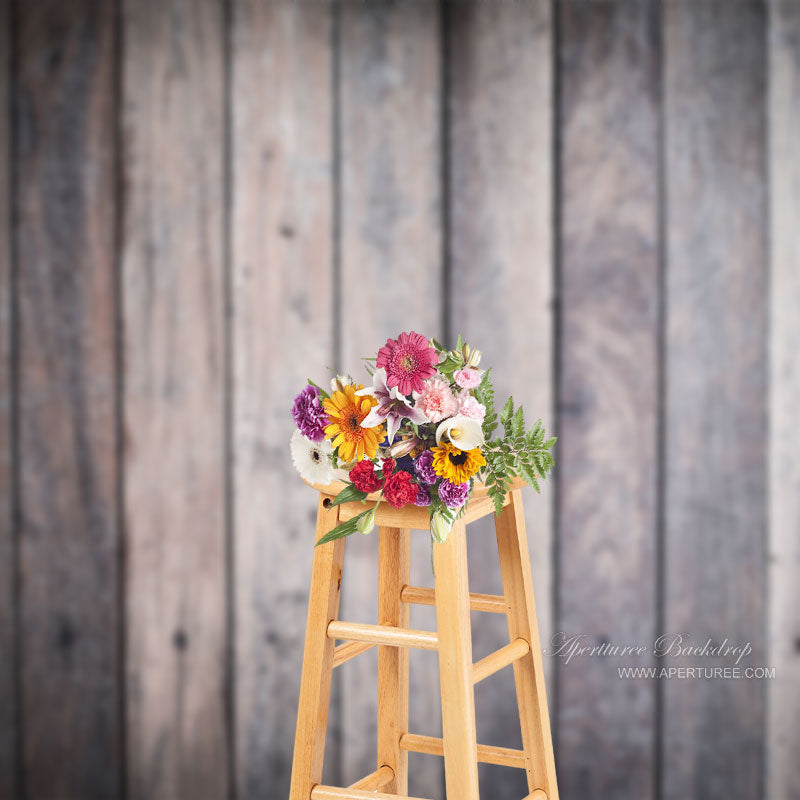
(413, 517)
(452, 640)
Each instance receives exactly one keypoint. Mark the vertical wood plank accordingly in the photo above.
(173, 287)
(534, 716)
(68, 537)
(8, 767)
(455, 665)
(500, 284)
(394, 550)
(784, 500)
(609, 389)
(315, 681)
(716, 429)
(390, 281)
(282, 333)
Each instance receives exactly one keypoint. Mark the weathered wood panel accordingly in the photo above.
(716, 368)
(282, 281)
(783, 779)
(390, 281)
(500, 283)
(608, 392)
(68, 536)
(175, 367)
(8, 699)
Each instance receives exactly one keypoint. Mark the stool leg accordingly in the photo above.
(512, 544)
(393, 574)
(455, 665)
(315, 682)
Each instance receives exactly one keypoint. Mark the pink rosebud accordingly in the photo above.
(468, 378)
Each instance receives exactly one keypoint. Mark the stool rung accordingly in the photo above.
(492, 603)
(487, 754)
(375, 780)
(333, 793)
(344, 652)
(500, 658)
(536, 794)
(383, 634)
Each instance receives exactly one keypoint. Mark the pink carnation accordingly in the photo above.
(468, 378)
(468, 406)
(437, 400)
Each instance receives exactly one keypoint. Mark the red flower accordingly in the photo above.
(388, 467)
(399, 490)
(364, 478)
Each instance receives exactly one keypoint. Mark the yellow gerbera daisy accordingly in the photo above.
(346, 412)
(458, 466)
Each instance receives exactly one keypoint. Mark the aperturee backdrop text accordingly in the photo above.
(420, 434)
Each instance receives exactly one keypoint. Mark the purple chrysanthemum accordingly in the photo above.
(423, 498)
(453, 495)
(423, 466)
(309, 415)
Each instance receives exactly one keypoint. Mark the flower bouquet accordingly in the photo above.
(421, 434)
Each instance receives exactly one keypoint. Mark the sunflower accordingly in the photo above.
(456, 465)
(346, 412)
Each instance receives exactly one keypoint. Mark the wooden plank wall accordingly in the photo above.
(608, 393)
(716, 361)
(69, 630)
(783, 578)
(202, 203)
(8, 700)
(173, 285)
(282, 286)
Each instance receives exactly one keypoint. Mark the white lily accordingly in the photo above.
(392, 407)
(463, 432)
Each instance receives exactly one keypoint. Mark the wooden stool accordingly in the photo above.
(458, 674)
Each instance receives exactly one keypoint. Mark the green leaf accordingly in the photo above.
(322, 392)
(348, 495)
(518, 423)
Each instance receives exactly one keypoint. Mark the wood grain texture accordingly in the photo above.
(608, 393)
(783, 776)
(529, 676)
(282, 333)
(8, 698)
(315, 680)
(174, 356)
(715, 97)
(394, 564)
(459, 740)
(500, 285)
(502, 756)
(390, 281)
(67, 468)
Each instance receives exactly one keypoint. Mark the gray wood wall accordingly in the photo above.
(204, 202)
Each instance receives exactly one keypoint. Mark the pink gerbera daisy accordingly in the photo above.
(408, 360)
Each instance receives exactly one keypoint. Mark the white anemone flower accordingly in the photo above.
(463, 432)
(312, 459)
